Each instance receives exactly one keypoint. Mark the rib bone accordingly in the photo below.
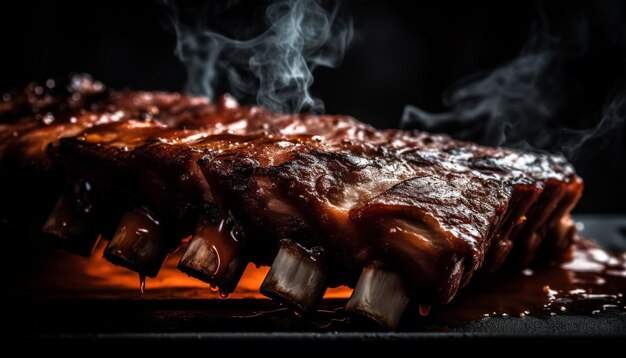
(71, 228)
(213, 257)
(295, 278)
(379, 295)
(138, 244)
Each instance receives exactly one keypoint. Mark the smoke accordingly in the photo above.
(496, 105)
(609, 131)
(518, 104)
(275, 67)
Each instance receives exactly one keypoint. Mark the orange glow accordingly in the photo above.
(95, 277)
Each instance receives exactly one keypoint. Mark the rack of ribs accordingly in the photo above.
(400, 216)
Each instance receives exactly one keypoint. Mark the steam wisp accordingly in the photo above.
(518, 103)
(274, 67)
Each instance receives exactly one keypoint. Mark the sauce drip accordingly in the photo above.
(142, 284)
(594, 280)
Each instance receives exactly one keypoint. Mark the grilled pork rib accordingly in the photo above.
(326, 200)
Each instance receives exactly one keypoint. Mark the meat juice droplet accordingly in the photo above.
(142, 284)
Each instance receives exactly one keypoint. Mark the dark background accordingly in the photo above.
(403, 53)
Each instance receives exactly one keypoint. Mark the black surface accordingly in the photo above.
(251, 318)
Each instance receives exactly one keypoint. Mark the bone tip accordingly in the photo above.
(295, 279)
(68, 229)
(379, 295)
(199, 260)
(137, 245)
(202, 261)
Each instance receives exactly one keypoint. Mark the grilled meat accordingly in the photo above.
(398, 214)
